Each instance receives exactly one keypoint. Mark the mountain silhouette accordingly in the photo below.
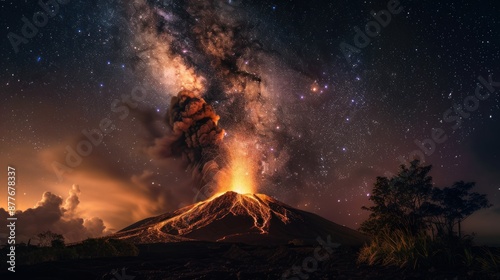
(234, 217)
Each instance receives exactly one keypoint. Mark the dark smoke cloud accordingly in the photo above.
(52, 213)
(194, 135)
(195, 122)
(194, 131)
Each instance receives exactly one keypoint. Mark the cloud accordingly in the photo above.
(131, 193)
(72, 201)
(50, 213)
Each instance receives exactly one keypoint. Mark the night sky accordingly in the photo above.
(318, 110)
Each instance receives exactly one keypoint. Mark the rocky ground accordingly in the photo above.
(220, 261)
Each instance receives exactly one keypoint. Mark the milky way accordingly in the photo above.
(318, 127)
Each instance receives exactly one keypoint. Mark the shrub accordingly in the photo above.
(397, 248)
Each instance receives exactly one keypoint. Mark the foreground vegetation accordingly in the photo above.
(418, 252)
(87, 249)
(417, 226)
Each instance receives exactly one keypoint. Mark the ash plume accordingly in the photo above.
(195, 136)
(194, 131)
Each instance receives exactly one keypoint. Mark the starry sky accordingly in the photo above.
(319, 110)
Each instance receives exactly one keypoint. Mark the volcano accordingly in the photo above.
(234, 217)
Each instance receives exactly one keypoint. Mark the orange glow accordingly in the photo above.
(315, 87)
(239, 176)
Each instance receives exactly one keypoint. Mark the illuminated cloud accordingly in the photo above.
(50, 213)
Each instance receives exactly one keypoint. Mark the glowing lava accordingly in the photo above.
(258, 207)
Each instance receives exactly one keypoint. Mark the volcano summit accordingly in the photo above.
(234, 217)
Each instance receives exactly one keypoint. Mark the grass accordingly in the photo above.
(397, 249)
(400, 249)
(490, 260)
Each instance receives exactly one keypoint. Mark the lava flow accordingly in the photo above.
(227, 205)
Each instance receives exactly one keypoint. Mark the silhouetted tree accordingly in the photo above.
(409, 202)
(455, 204)
(400, 202)
(58, 242)
(49, 238)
